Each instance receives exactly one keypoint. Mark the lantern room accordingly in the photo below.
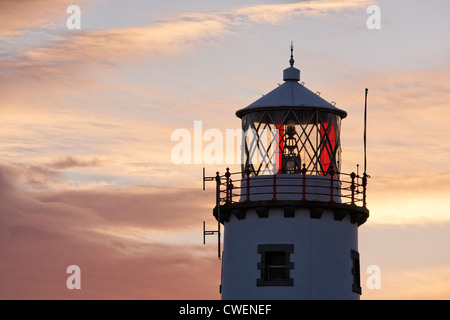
(291, 128)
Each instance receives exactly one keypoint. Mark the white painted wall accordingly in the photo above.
(322, 258)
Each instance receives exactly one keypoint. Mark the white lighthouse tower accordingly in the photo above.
(291, 217)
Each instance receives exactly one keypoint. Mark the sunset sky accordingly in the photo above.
(86, 118)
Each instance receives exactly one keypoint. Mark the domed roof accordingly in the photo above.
(291, 95)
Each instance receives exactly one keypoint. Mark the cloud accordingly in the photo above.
(414, 260)
(407, 122)
(74, 53)
(34, 177)
(43, 233)
(407, 142)
(145, 243)
(74, 162)
(277, 13)
(429, 283)
(62, 130)
(18, 16)
(156, 40)
(151, 208)
(161, 209)
(39, 177)
(52, 177)
(68, 53)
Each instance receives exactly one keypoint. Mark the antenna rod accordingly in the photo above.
(365, 132)
(211, 232)
(218, 212)
(203, 178)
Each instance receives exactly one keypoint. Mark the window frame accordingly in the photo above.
(356, 272)
(266, 250)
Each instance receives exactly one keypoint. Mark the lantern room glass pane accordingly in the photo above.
(285, 140)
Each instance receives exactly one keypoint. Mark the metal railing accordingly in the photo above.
(336, 187)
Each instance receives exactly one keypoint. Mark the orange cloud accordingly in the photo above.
(74, 52)
(70, 52)
(427, 283)
(16, 16)
(407, 142)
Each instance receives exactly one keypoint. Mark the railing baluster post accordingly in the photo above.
(274, 197)
(332, 172)
(218, 188)
(231, 191)
(227, 192)
(352, 187)
(304, 183)
(247, 172)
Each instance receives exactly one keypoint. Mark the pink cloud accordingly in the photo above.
(42, 234)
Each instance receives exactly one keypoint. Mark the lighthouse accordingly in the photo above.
(290, 216)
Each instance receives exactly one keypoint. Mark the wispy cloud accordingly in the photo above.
(277, 13)
(69, 51)
(73, 162)
(19, 16)
(72, 53)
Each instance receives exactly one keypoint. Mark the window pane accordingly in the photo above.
(276, 258)
(276, 273)
(275, 265)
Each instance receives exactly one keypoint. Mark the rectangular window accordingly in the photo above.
(356, 286)
(275, 265)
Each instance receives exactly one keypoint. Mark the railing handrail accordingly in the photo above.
(353, 190)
